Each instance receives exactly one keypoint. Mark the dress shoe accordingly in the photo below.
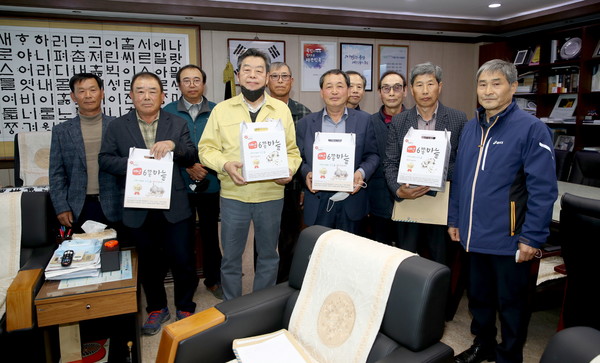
(216, 290)
(476, 354)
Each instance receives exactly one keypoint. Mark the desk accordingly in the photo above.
(575, 189)
(67, 307)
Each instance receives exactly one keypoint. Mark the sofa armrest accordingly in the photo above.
(174, 333)
(257, 313)
(19, 300)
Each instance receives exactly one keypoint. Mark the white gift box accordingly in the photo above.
(148, 180)
(263, 151)
(333, 162)
(425, 157)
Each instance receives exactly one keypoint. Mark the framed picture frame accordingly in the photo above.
(317, 57)
(392, 58)
(565, 142)
(273, 48)
(521, 57)
(596, 51)
(359, 58)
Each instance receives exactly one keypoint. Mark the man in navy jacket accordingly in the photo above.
(161, 236)
(500, 210)
(336, 117)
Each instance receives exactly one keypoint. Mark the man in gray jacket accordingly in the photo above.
(78, 190)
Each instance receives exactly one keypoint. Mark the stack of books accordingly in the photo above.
(564, 80)
(85, 261)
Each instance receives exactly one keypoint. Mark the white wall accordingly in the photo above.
(458, 61)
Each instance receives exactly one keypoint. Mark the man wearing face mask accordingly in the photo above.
(348, 209)
(241, 202)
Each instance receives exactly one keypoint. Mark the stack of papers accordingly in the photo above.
(271, 348)
(86, 260)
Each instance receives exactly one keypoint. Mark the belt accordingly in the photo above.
(92, 196)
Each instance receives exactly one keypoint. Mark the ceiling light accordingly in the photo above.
(494, 5)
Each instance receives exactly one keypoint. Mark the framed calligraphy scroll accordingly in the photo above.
(359, 58)
(38, 58)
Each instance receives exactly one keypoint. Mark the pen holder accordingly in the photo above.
(110, 256)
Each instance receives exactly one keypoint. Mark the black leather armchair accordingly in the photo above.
(37, 247)
(579, 230)
(586, 168)
(411, 330)
(574, 345)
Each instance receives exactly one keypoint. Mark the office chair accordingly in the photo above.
(579, 230)
(579, 344)
(564, 160)
(37, 247)
(411, 329)
(586, 168)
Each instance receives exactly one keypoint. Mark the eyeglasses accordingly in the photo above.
(188, 82)
(397, 88)
(284, 77)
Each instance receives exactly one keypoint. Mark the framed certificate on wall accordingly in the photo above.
(393, 58)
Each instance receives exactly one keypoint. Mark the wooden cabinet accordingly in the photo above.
(567, 72)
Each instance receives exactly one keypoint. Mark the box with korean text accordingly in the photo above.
(425, 157)
(333, 162)
(148, 180)
(263, 151)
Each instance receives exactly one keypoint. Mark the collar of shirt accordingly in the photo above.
(189, 105)
(386, 118)
(430, 124)
(328, 125)
(148, 130)
(144, 122)
(255, 109)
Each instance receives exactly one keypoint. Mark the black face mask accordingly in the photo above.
(252, 95)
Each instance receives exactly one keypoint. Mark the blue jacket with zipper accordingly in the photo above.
(504, 184)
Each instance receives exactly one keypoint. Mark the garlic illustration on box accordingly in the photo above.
(340, 174)
(256, 163)
(273, 158)
(137, 188)
(156, 191)
(410, 166)
(428, 164)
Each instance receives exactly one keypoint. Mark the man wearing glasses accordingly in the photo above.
(201, 182)
(392, 91)
(241, 202)
(280, 84)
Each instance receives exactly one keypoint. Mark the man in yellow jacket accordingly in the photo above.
(241, 202)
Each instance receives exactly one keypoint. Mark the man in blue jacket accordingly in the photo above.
(500, 210)
(201, 183)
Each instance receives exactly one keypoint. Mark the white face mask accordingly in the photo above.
(337, 197)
